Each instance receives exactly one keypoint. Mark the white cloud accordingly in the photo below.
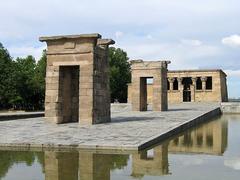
(149, 36)
(181, 55)
(233, 73)
(233, 41)
(233, 163)
(118, 34)
(25, 51)
(191, 42)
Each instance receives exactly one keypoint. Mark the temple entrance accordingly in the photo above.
(187, 89)
(69, 93)
(141, 71)
(143, 94)
(145, 101)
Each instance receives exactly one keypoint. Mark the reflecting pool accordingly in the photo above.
(209, 151)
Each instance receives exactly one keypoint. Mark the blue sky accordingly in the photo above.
(192, 34)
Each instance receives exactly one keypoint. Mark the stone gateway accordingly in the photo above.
(77, 79)
(143, 70)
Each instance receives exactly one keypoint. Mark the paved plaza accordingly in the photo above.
(128, 129)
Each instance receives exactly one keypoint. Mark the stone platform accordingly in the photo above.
(230, 107)
(128, 130)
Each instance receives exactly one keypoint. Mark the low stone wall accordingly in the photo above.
(230, 107)
(20, 115)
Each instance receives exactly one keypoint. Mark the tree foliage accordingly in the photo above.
(6, 78)
(22, 82)
(119, 74)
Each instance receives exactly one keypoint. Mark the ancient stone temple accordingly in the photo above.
(141, 72)
(77, 79)
(197, 86)
(192, 86)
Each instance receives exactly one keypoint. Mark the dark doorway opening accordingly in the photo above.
(187, 82)
(69, 93)
(175, 84)
(199, 83)
(209, 83)
(146, 93)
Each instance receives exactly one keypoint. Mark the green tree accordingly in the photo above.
(119, 74)
(10, 158)
(6, 78)
(30, 83)
(25, 82)
(40, 74)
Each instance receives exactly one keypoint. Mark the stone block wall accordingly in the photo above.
(102, 100)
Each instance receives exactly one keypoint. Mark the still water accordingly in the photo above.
(209, 151)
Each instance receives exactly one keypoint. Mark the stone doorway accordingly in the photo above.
(187, 82)
(69, 93)
(145, 102)
(143, 94)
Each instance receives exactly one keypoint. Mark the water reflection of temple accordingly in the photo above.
(155, 163)
(61, 166)
(210, 138)
(81, 165)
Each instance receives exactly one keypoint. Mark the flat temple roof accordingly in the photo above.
(197, 70)
(51, 38)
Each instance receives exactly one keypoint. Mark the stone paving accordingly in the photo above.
(128, 129)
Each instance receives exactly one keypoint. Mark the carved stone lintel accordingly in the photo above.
(69, 45)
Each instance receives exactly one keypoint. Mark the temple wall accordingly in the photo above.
(218, 93)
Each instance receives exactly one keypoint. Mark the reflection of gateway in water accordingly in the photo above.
(210, 138)
(81, 165)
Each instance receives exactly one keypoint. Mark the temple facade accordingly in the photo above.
(192, 86)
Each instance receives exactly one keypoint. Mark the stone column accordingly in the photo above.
(180, 87)
(135, 93)
(203, 79)
(193, 88)
(160, 92)
(52, 96)
(171, 80)
(194, 82)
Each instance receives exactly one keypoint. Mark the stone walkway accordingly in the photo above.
(128, 130)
